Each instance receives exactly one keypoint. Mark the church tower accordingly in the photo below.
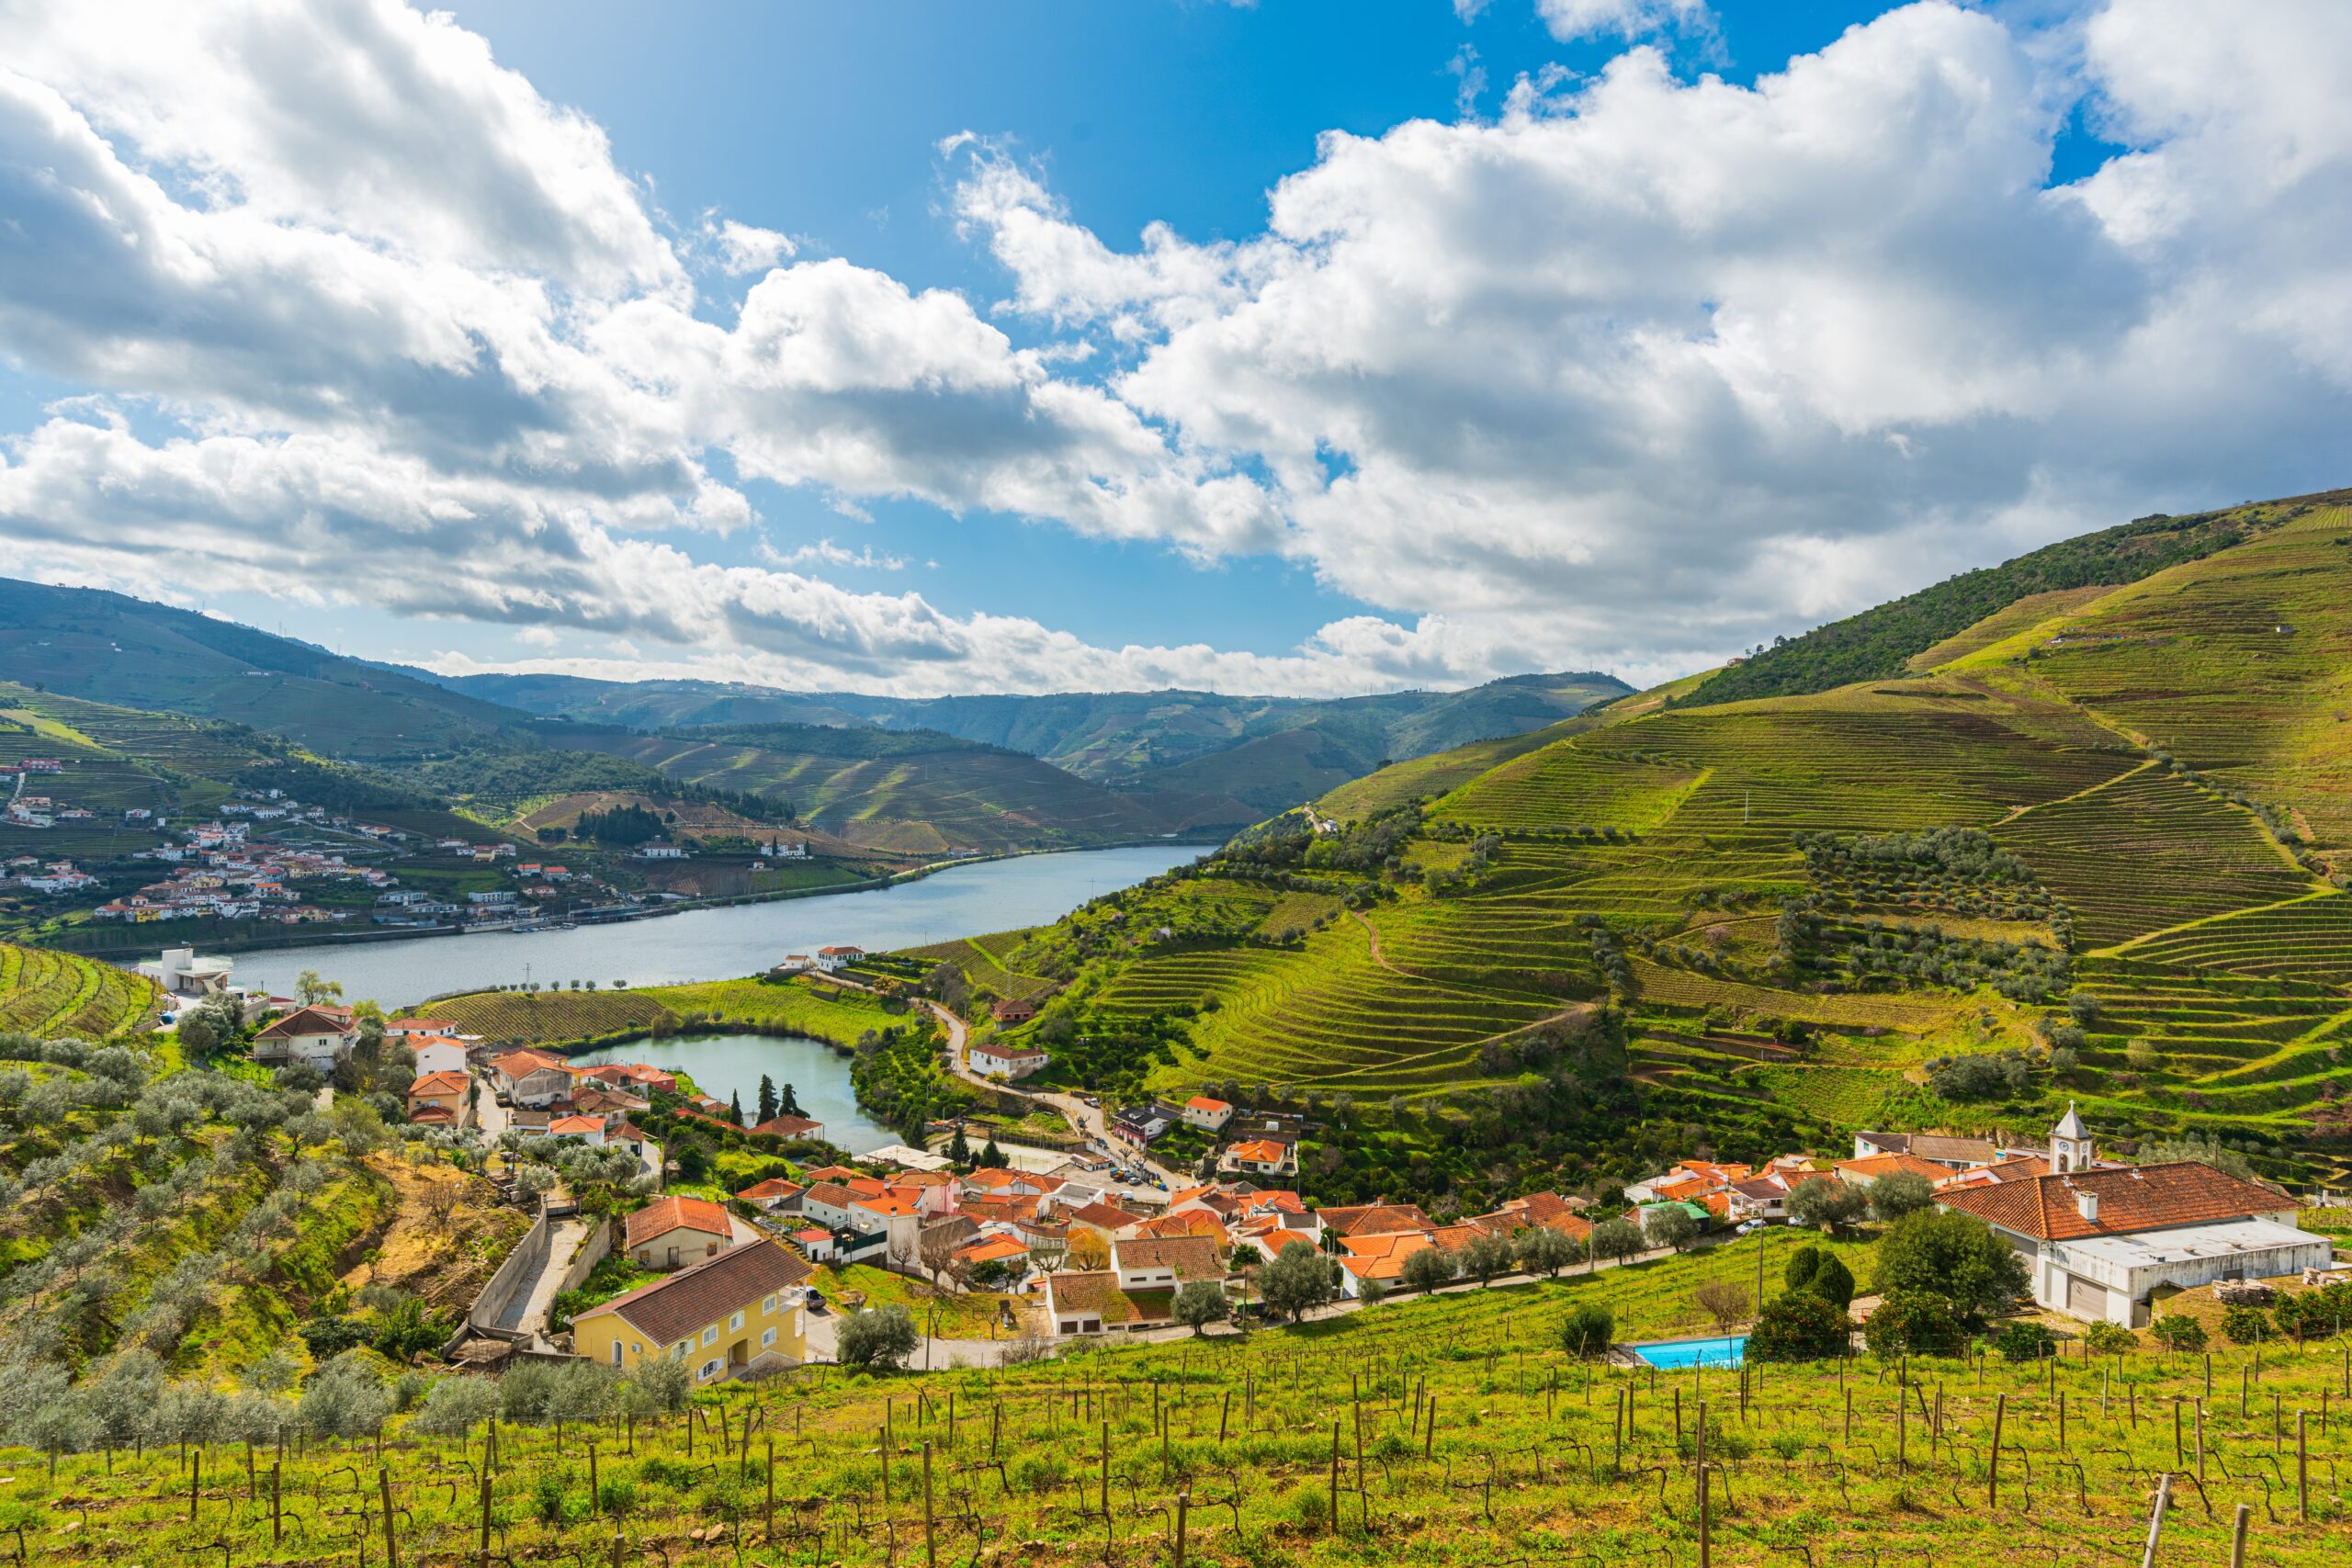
(2070, 1145)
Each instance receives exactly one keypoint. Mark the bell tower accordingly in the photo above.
(2070, 1145)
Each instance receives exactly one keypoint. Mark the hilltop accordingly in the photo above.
(2092, 847)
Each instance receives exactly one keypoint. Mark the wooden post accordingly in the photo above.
(2062, 1419)
(2156, 1520)
(1335, 1478)
(392, 1533)
(2177, 1450)
(485, 1519)
(2200, 1442)
(1849, 1415)
(930, 1534)
(1993, 1482)
(1617, 1465)
(1706, 1553)
(2303, 1471)
(1429, 1439)
(2245, 1393)
(1106, 1474)
(1902, 1431)
(595, 1496)
(2278, 1427)
(276, 1521)
(195, 1478)
(2237, 1536)
(1677, 1414)
(771, 1503)
(1183, 1507)
(1225, 1418)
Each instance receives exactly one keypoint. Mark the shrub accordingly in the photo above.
(1484, 1257)
(662, 1386)
(1799, 1326)
(1830, 1204)
(1297, 1282)
(1801, 1265)
(879, 1340)
(2245, 1324)
(1199, 1304)
(2175, 1332)
(1617, 1238)
(454, 1406)
(2024, 1341)
(2109, 1338)
(1912, 1323)
(1833, 1282)
(1669, 1225)
(1588, 1328)
(1545, 1251)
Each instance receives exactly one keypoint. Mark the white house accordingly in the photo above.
(995, 1059)
(314, 1036)
(1209, 1115)
(831, 958)
(438, 1054)
(182, 973)
(657, 849)
(532, 1078)
(1163, 1263)
(2098, 1240)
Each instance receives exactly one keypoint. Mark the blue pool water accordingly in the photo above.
(1680, 1354)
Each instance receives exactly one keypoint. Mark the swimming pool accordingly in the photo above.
(1678, 1353)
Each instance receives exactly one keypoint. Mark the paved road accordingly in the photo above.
(1088, 1120)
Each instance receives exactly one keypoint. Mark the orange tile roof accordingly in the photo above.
(568, 1125)
(1190, 1256)
(439, 1083)
(2130, 1198)
(1202, 1102)
(664, 1215)
(1104, 1216)
(1191, 1221)
(1871, 1167)
(1265, 1151)
(991, 1246)
(884, 1203)
(773, 1187)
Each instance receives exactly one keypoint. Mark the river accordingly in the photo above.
(727, 1064)
(722, 943)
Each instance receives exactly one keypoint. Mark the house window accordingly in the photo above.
(734, 1323)
(710, 1335)
(617, 1352)
(768, 1338)
(709, 1369)
(635, 1349)
(768, 1304)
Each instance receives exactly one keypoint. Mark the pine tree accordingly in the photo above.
(767, 1098)
(789, 1104)
(992, 1156)
(735, 1107)
(959, 1150)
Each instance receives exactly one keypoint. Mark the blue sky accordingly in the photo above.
(1296, 345)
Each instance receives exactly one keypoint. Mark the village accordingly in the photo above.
(1102, 1241)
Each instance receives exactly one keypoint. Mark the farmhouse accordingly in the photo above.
(1013, 1009)
(669, 1232)
(315, 1036)
(589, 1130)
(2098, 1241)
(532, 1078)
(1259, 1156)
(775, 1195)
(1092, 1303)
(437, 1053)
(829, 959)
(995, 1059)
(726, 1314)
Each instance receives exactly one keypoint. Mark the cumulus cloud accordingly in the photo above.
(1653, 361)
(1643, 371)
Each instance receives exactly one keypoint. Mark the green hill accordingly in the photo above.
(51, 994)
(2108, 832)
(1881, 643)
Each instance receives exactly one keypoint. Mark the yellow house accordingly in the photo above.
(722, 1315)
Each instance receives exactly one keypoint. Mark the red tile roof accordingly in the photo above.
(773, 1187)
(308, 1020)
(790, 1127)
(1375, 1219)
(1103, 1216)
(2130, 1198)
(1190, 1256)
(438, 1083)
(664, 1215)
(706, 1292)
(1870, 1167)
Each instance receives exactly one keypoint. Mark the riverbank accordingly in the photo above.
(717, 940)
(313, 937)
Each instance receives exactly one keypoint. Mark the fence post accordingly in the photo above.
(392, 1533)
(1993, 1483)
(2156, 1520)
(2302, 1471)
(930, 1535)
(1335, 1478)
(277, 1520)
(2237, 1536)
(1706, 1550)
(1183, 1507)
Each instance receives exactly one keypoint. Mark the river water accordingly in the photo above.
(718, 944)
(727, 1064)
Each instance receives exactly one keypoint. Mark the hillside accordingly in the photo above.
(916, 794)
(2098, 858)
(1884, 642)
(1272, 752)
(47, 994)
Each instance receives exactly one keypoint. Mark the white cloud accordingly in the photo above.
(1570, 19)
(1645, 370)
(824, 552)
(742, 248)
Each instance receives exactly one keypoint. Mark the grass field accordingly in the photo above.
(573, 1018)
(1448, 1430)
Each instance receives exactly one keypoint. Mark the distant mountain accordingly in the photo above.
(1269, 753)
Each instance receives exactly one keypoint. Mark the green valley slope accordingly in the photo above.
(2098, 857)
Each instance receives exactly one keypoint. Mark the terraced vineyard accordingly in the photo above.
(2308, 939)
(50, 994)
(575, 1018)
(1649, 857)
(2148, 852)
